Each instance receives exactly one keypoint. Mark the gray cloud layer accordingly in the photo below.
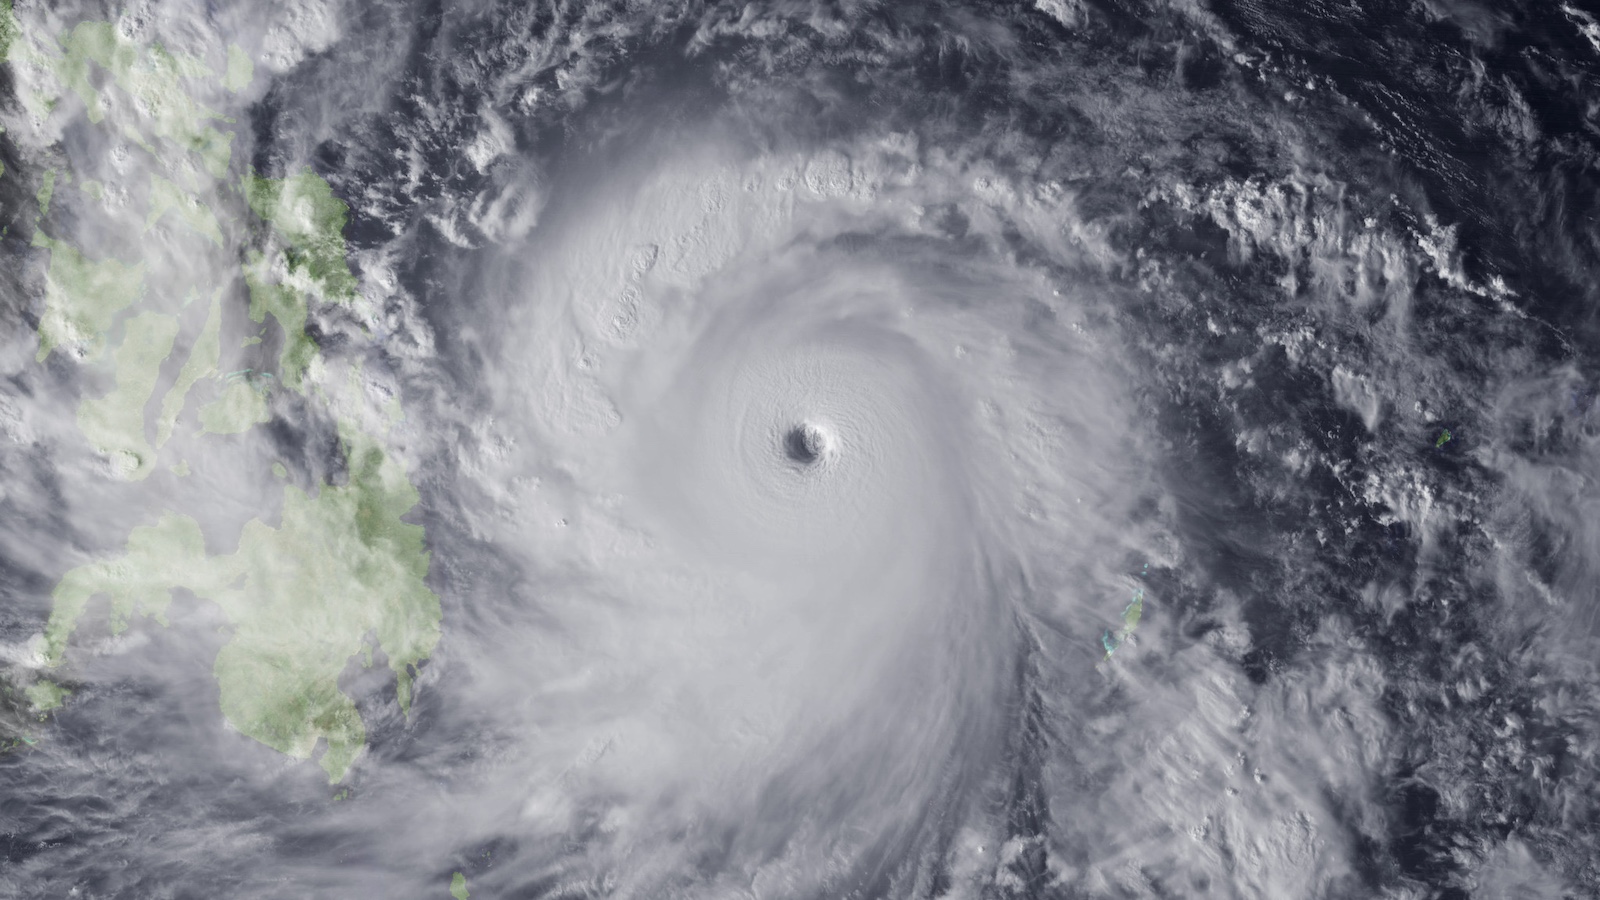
(1054, 335)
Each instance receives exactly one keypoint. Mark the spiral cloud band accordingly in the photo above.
(805, 493)
(798, 450)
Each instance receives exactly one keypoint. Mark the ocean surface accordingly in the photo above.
(1067, 449)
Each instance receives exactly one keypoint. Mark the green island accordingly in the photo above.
(82, 297)
(153, 80)
(114, 424)
(1131, 614)
(303, 210)
(340, 574)
(205, 355)
(302, 598)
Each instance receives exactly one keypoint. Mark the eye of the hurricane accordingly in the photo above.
(805, 443)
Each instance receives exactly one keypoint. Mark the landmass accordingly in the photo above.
(341, 573)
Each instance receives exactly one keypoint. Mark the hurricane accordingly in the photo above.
(798, 450)
(815, 491)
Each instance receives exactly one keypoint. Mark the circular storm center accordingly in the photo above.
(805, 443)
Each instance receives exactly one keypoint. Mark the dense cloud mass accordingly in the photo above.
(1074, 449)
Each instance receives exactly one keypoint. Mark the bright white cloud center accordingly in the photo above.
(784, 494)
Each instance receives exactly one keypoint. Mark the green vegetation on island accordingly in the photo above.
(46, 695)
(340, 565)
(287, 307)
(9, 30)
(82, 298)
(47, 190)
(153, 81)
(1131, 614)
(157, 558)
(304, 212)
(240, 407)
(167, 197)
(302, 597)
(1130, 620)
(204, 357)
(458, 886)
(114, 424)
(240, 70)
(340, 574)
